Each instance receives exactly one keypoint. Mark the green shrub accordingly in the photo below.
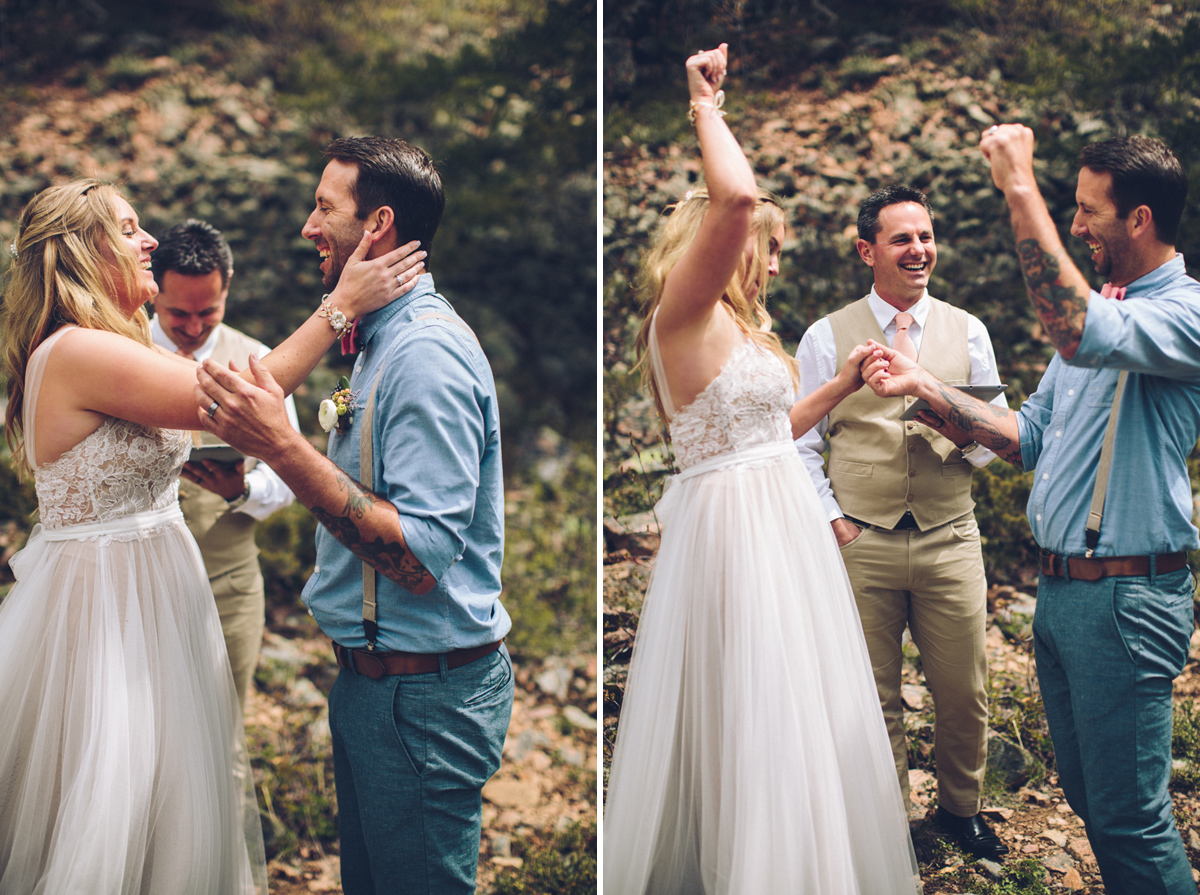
(566, 865)
(1001, 492)
(549, 569)
(294, 786)
(1185, 744)
(287, 553)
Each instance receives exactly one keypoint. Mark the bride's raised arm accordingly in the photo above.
(697, 282)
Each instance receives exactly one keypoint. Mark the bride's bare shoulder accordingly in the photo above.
(80, 349)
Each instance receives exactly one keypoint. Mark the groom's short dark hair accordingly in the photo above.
(399, 175)
(894, 194)
(1146, 172)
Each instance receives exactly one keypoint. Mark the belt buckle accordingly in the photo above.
(369, 664)
(1051, 564)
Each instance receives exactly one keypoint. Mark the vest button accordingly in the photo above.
(912, 472)
(909, 497)
(912, 448)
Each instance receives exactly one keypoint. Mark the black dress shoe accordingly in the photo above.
(972, 834)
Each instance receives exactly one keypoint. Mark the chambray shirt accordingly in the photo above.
(1155, 335)
(436, 457)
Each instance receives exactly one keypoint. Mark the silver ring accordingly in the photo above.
(400, 279)
(993, 129)
(212, 409)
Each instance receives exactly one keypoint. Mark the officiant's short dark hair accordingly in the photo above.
(194, 249)
(399, 175)
(1144, 172)
(893, 194)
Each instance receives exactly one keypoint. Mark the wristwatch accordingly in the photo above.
(236, 503)
(968, 450)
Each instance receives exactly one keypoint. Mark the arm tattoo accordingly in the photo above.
(1060, 308)
(981, 421)
(388, 557)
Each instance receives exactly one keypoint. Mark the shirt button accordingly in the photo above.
(1058, 434)
(316, 570)
(1045, 476)
(310, 611)
(1038, 517)
(1070, 392)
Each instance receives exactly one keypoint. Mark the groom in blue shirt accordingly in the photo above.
(421, 706)
(1114, 613)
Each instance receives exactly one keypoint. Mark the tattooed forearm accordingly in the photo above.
(389, 557)
(1013, 456)
(1060, 308)
(984, 422)
(396, 562)
(358, 499)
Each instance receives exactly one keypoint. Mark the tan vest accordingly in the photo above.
(226, 539)
(880, 465)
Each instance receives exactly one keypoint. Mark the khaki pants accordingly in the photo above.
(933, 582)
(241, 605)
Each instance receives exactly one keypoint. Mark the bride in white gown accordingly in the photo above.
(119, 724)
(751, 756)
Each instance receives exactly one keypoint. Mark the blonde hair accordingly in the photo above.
(749, 310)
(58, 276)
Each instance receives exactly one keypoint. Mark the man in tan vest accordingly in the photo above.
(222, 502)
(898, 496)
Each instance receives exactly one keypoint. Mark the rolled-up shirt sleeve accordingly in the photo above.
(1159, 336)
(431, 427)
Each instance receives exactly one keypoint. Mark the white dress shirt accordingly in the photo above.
(268, 493)
(817, 359)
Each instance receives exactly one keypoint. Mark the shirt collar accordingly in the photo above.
(161, 339)
(375, 321)
(1145, 286)
(885, 313)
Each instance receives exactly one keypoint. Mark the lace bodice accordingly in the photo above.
(120, 469)
(746, 405)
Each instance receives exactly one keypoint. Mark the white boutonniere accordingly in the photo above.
(337, 411)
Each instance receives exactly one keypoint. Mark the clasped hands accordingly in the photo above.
(891, 374)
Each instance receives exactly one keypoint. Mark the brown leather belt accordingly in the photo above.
(1109, 566)
(379, 663)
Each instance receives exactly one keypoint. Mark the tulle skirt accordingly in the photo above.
(122, 762)
(752, 756)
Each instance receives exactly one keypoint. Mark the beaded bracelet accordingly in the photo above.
(715, 105)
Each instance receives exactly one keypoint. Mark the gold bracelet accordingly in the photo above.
(715, 105)
(337, 320)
